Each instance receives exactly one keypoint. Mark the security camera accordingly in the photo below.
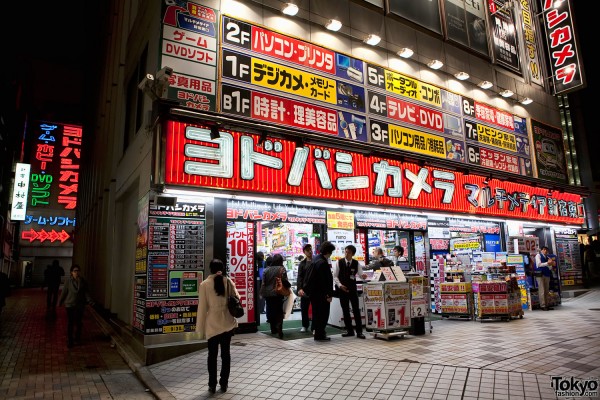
(147, 86)
(164, 73)
(162, 81)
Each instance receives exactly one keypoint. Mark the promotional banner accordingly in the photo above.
(549, 152)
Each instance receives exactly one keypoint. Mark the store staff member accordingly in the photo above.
(344, 276)
(543, 272)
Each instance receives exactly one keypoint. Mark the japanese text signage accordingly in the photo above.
(549, 152)
(20, 192)
(236, 161)
(562, 45)
(505, 44)
(340, 220)
(189, 46)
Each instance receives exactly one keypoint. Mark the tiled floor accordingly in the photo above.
(459, 360)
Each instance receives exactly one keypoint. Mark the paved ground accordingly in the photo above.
(459, 360)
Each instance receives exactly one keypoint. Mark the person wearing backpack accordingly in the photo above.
(304, 300)
(319, 286)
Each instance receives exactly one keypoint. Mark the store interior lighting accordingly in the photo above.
(333, 25)
(405, 52)
(372, 40)
(461, 76)
(485, 84)
(435, 64)
(526, 100)
(290, 9)
(506, 93)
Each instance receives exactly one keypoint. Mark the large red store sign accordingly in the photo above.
(236, 161)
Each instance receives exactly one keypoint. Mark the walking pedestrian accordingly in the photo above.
(344, 276)
(320, 290)
(52, 279)
(75, 295)
(214, 322)
(274, 301)
(304, 299)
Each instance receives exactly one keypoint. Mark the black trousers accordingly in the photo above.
(304, 304)
(74, 322)
(352, 298)
(320, 313)
(275, 312)
(52, 296)
(223, 340)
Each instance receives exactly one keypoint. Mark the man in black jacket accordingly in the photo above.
(320, 289)
(304, 300)
(344, 277)
(53, 278)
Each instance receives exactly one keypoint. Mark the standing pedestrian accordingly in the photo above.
(52, 279)
(543, 273)
(344, 276)
(304, 300)
(320, 290)
(260, 267)
(214, 322)
(75, 295)
(274, 301)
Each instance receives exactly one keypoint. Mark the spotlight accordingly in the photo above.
(485, 84)
(435, 64)
(290, 9)
(526, 101)
(372, 39)
(405, 52)
(506, 93)
(461, 76)
(333, 25)
(214, 132)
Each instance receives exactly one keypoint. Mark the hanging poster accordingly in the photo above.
(549, 152)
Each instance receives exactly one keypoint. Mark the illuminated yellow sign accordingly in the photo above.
(340, 220)
(467, 245)
(290, 80)
(417, 142)
(496, 138)
(412, 88)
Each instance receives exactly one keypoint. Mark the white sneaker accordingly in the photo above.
(303, 330)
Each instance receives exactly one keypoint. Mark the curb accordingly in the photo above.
(133, 361)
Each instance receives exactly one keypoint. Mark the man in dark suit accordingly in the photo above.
(344, 277)
(319, 286)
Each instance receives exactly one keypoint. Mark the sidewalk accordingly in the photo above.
(459, 360)
(35, 361)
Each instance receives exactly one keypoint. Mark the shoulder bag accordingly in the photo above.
(280, 289)
(233, 303)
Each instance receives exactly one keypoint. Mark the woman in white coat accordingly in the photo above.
(214, 322)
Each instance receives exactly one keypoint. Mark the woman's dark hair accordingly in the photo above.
(268, 261)
(217, 265)
(277, 260)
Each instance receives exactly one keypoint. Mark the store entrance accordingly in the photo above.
(286, 239)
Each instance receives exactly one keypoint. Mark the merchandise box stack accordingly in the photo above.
(387, 305)
(457, 299)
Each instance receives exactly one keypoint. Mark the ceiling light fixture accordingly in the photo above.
(526, 101)
(506, 93)
(405, 52)
(372, 39)
(435, 64)
(290, 9)
(485, 84)
(333, 25)
(461, 76)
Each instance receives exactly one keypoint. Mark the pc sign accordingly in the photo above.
(574, 387)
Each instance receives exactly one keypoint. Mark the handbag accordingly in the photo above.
(279, 288)
(233, 304)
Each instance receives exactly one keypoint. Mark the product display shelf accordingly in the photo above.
(498, 298)
(457, 300)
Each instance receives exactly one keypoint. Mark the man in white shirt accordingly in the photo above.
(344, 276)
